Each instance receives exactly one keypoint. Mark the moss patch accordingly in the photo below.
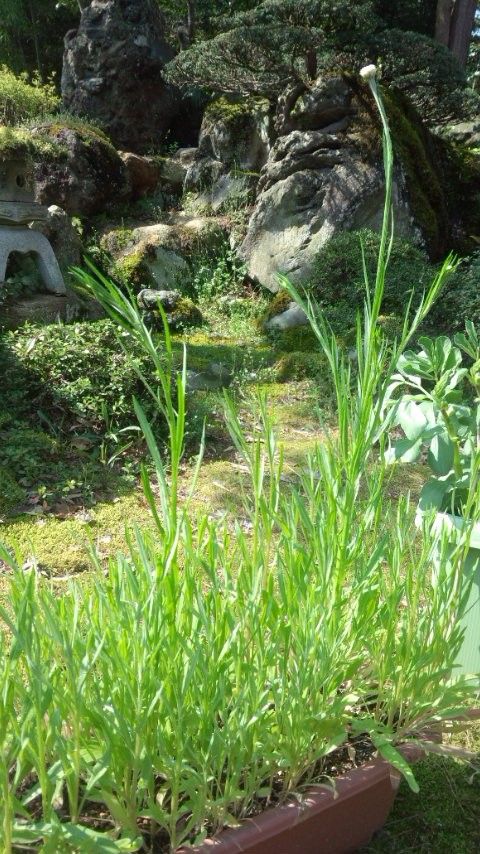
(61, 546)
(300, 365)
(234, 111)
(417, 152)
(132, 269)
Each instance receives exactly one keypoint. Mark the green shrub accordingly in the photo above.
(79, 371)
(22, 101)
(460, 300)
(337, 281)
(66, 394)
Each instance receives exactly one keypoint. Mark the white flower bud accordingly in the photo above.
(369, 72)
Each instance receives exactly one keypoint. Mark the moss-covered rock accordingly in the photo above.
(80, 169)
(300, 365)
(441, 176)
(132, 268)
(417, 152)
(182, 314)
(277, 305)
(237, 130)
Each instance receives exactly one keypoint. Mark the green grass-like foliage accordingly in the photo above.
(214, 665)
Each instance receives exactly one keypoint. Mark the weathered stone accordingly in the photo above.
(173, 169)
(64, 238)
(26, 240)
(149, 299)
(326, 105)
(112, 71)
(17, 193)
(180, 312)
(313, 184)
(215, 376)
(234, 142)
(41, 309)
(203, 172)
(237, 133)
(291, 318)
(166, 267)
(465, 133)
(181, 233)
(142, 174)
(85, 176)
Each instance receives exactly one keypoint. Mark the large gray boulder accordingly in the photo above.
(112, 72)
(316, 181)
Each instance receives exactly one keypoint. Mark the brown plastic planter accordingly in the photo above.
(323, 823)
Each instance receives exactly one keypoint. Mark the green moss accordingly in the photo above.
(15, 142)
(116, 241)
(61, 546)
(86, 130)
(301, 339)
(10, 490)
(300, 365)
(185, 314)
(234, 111)
(278, 304)
(417, 152)
(461, 168)
(132, 269)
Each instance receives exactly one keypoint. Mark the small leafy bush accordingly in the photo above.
(22, 100)
(337, 282)
(63, 385)
(217, 273)
(81, 369)
(436, 411)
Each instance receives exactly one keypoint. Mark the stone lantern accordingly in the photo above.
(18, 209)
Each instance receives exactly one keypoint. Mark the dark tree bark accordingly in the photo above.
(463, 19)
(454, 26)
(191, 20)
(443, 21)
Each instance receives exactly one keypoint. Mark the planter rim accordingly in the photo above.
(317, 799)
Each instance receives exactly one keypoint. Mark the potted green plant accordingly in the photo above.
(439, 414)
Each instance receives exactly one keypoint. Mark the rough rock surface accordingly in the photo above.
(234, 143)
(41, 309)
(112, 71)
(215, 375)
(180, 232)
(173, 169)
(156, 255)
(291, 318)
(84, 174)
(149, 299)
(142, 174)
(237, 134)
(64, 238)
(180, 312)
(465, 133)
(314, 183)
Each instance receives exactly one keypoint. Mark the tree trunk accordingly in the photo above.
(191, 20)
(454, 25)
(463, 19)
(36, 42)
(443, 21)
